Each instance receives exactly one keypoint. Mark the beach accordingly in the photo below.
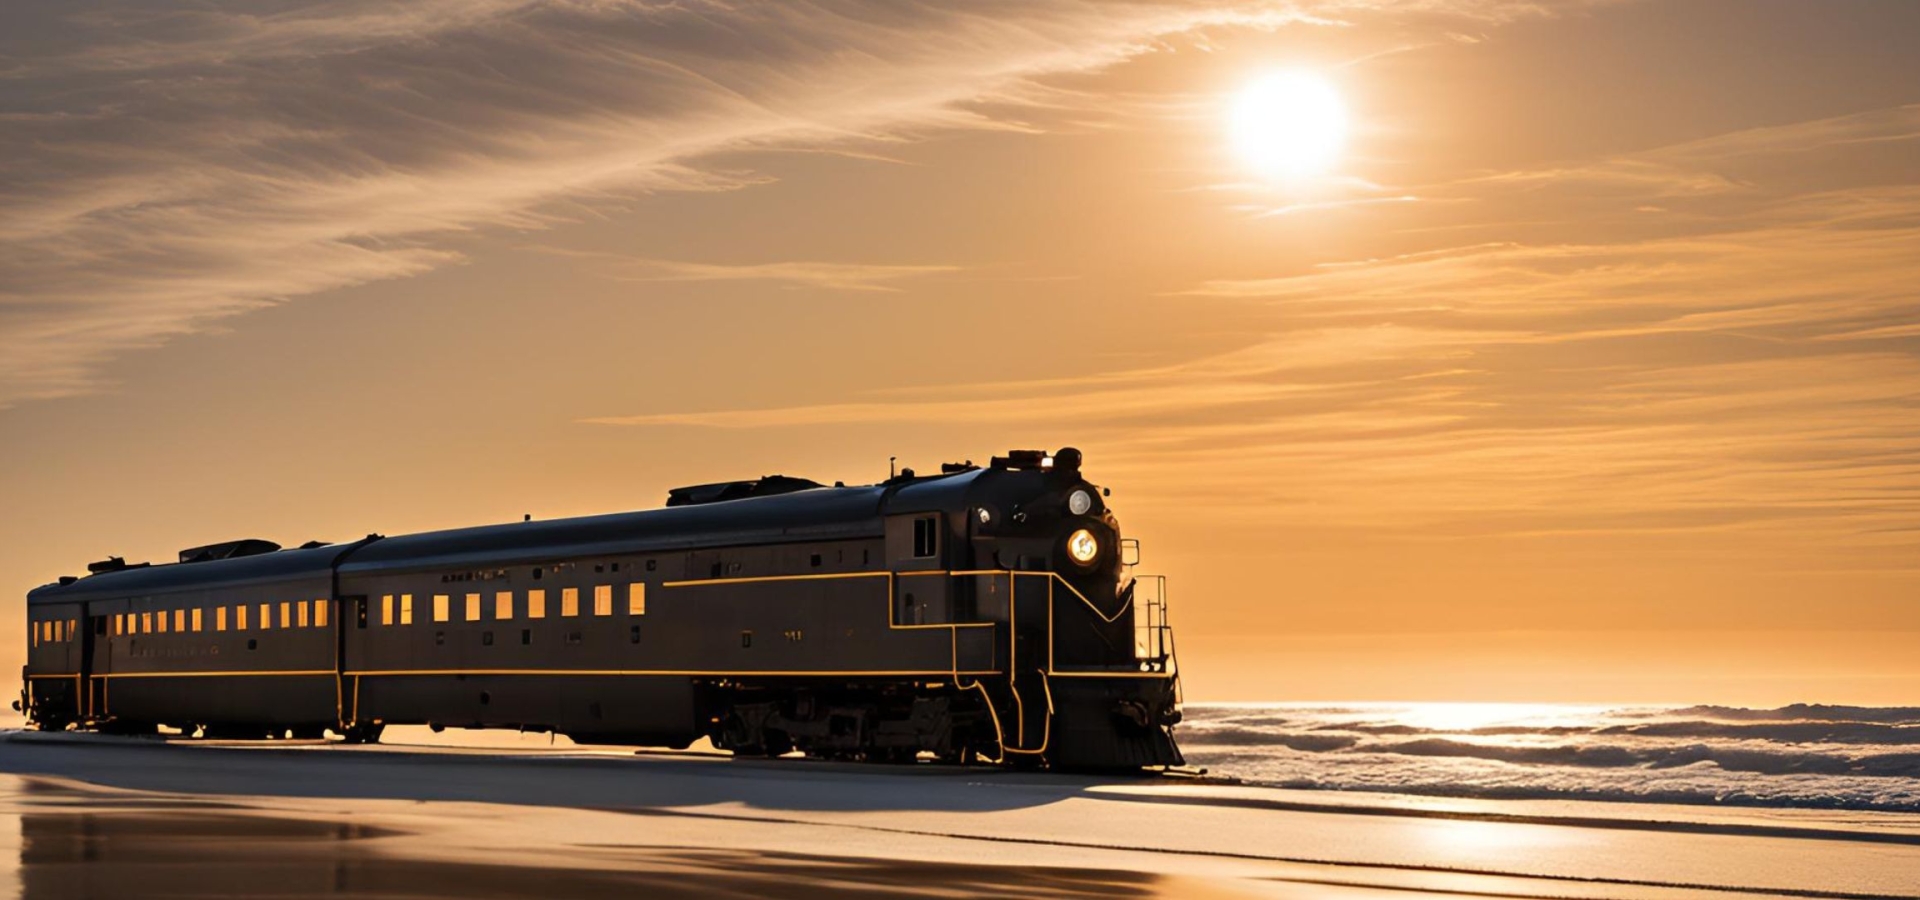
(102, 816)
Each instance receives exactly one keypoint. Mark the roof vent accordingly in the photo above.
(228, 550)
(767, 486)
(111, 564)
(1020, 459)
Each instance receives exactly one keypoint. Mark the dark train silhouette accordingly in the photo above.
(981, 614)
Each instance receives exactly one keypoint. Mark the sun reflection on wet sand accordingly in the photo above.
(1494, 844)
(63, 839)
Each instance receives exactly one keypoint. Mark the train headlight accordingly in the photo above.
(1079, 503)
(1083, 547)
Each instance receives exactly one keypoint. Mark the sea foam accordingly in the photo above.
(1805, 755)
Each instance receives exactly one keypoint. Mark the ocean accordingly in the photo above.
(1805, 755)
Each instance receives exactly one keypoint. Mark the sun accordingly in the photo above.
(1289, 125)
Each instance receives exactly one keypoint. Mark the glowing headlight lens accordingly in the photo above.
(1082, 546)
(1079, 502)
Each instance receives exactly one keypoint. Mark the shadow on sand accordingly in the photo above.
(576, 781)
(89, 846)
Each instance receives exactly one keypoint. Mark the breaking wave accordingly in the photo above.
(1804, 755)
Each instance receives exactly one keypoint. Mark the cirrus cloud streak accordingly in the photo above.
(236, 155)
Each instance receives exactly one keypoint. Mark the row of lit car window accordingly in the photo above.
(394, 609)
(48, 631)
(397, 609)
(293, 614)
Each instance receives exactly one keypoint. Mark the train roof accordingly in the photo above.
(265, 568)
(818, 513)
(812, 514)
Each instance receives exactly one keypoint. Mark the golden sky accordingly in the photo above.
(1587, 368)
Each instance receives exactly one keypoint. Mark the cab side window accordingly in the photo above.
(926, 537)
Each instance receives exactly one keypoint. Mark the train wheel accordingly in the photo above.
(778, 743)
(1025, 762)
(738, 738)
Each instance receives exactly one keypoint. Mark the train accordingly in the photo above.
(981, 615)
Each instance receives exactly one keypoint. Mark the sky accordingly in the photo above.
(1587, 369)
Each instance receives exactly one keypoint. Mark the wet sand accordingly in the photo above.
(97, 846)
(105, 817)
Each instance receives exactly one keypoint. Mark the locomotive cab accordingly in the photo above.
(1035, 549)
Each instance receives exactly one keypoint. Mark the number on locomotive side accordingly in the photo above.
(794, 634)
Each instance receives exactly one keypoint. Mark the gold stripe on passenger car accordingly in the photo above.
(696, 582)
(214, 674)
(368, 673)
(729, 673)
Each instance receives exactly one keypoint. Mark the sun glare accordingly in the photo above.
(1289, 124)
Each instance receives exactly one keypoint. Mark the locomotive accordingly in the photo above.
(982, 614)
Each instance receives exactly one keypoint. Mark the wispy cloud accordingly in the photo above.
(239, 154)
(1747, 366)
(828, 275)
